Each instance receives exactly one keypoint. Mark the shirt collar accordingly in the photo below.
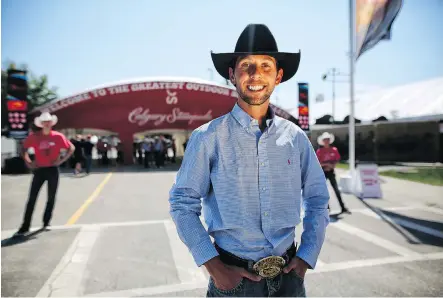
(247, 121)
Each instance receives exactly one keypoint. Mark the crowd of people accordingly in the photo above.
(155, 151)
(151, 152)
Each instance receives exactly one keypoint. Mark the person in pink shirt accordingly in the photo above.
(329, 156)
(47, 145)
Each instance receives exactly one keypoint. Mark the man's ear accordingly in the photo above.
(279, 76)
(231, 76)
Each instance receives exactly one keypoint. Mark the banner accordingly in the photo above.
(303, 106)
(17, 103)
(374, 19)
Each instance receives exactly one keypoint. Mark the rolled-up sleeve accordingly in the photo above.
(315, 202)
(192, 183)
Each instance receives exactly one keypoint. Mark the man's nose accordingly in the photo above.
(254, 72)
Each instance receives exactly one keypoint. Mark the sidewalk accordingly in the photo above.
(404, 192)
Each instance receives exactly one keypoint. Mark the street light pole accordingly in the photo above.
(334, 73)
(333, 94)
(352, 46)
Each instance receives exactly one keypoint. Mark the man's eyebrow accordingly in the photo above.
(270, 59)
(243, 59)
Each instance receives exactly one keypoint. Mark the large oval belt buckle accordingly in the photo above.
(269, 267)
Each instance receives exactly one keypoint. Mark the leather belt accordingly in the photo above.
(268, 267)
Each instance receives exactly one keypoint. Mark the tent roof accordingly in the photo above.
(418, 99)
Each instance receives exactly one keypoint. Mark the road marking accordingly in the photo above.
(188, 271)
(85, 205)
(374, 239)
(331, 267)
(407, 224)
(9, 233)
(378, 213)
(359, 210)
(142, 292)
(67, 278)
(320, 263)
(376, 262)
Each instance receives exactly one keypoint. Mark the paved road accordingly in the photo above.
(113, 236)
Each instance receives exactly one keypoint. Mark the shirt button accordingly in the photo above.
(262, 164)
(266, 213)
(264, 188)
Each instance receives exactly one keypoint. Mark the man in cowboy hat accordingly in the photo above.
(329, 156)
(251, 168)
(46, 145)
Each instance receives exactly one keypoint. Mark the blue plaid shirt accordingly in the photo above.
(251, 186)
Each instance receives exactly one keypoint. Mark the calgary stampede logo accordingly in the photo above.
(141, 117)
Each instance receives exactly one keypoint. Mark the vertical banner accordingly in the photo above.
(303, 106)
(374, 19)
(17, 103)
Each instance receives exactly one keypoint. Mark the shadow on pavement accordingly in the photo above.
(14, 240)
(334, 217)
(423, 238)
(395, 226)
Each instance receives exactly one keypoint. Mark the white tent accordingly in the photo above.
(414, 100)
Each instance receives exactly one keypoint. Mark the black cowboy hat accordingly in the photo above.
(257, 39)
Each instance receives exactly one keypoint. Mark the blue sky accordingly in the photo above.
(80, 44)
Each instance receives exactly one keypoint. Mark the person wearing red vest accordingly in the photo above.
(329, 156)
(47, 145)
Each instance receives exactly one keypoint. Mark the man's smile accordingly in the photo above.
(255, 87)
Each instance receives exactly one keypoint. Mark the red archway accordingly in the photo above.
(148, 104)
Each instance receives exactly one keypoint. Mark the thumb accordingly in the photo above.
(288, 268)
(249, 275)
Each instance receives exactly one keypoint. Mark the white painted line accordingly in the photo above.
(130, 223)
(94, 225)
(380, 215)
(359, 210)
(374, 239)
(320, 263)
(376, 262)
(67, 278)
(9, 233)
(159, 290)
(188, 271)
(408, 224)
(153, 290)
(398, 208)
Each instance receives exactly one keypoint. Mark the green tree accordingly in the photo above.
(38, 91)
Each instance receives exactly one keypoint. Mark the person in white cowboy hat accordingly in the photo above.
(329, 156)
(253, 170)
(46, 145)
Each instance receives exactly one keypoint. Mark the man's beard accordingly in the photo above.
(254, 101)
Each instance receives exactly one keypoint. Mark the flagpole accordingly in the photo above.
(351, 103)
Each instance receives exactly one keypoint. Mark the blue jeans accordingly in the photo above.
(283, 285)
